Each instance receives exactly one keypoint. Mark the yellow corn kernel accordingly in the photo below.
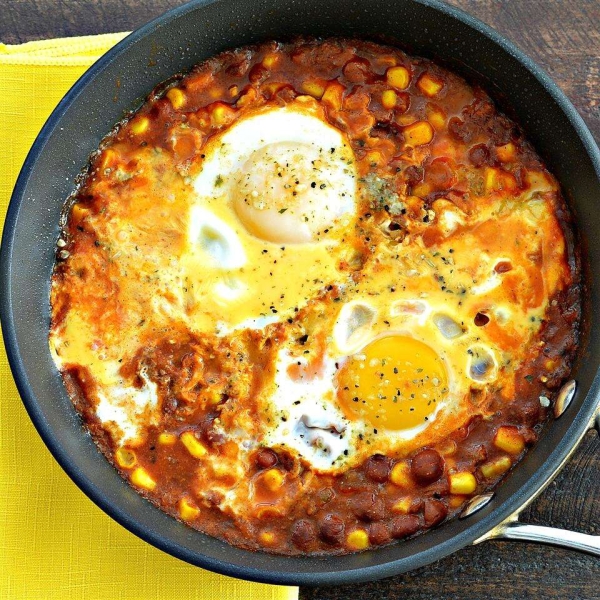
(398, 77)
(400, 474)
(333, 95)
(314, 88)
(78, 212)
(268, 512)
(141, 478)
(510, 440)
(403, 505)
(429, 86)
(421, 190)
(266, 537)
(109, 159)
(507, 152)
(273, 479)
(437, 118)
(456, 501)
(272, 88)
(125, 458)
(270, 60)
(188, 511)
(221, 115)
(177, 98)
(234, 91)
(496, 467)
(404, 120)
(357, 539)
(140, 125)
(374, 158)
(418, 133)
(167, 439)
(194, 446)
(462, 483)
(247, 97)
(388, 99)
(448, 448)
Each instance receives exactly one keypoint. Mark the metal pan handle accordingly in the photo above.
(548, 535)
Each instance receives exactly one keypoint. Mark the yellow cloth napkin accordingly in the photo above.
(54, 542)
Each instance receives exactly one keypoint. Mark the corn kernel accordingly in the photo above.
(462, 483)
(272, 88)
(188, 511)
(357, 539)
(267, 537)
(141, 478)
(507, 152)
(448, 448)
(140, 125)
(125, 458)
(399, 77)
(437, 118)
(496, 467)
(539, 181)
(400, 474)
(194, 446)
(273, 479)
(234, 90)
(418, 133)
(167, 439)
(403, 505)
(270, 60)
(404, 120)
(314, 88)
(177, 98)
(247, 97)
(429, 86)
(388, 99)
(510, 440)
(221, 115)
(109, 159)
(78, 212)
(374, 158)
(268, 512)
(421, 190)
(456, 501)
(333, 95)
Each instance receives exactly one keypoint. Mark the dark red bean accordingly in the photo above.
(479, 155)
(414, 174)
(435, 512)
(357, 70)
(303, 533)
(266, 458)
(368, 507)
(427, 466)
(332, 528)
(439, 174)
(377, 468)
(405, 525)
(481, 319)
(503, 267)
(379, 533)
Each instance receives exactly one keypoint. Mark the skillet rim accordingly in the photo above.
(480, 525)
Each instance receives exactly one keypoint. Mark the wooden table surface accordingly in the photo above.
(564, 38)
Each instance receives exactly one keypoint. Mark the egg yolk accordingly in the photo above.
(395, 383)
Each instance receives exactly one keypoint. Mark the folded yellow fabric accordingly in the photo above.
(54, 542)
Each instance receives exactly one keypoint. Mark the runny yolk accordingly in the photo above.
(395, 383)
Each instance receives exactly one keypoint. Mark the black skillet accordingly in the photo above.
(173, 43)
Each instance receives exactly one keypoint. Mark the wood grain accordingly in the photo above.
(564, 38)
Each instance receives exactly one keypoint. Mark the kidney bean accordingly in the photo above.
(434, 512)
(479, 155)
(266, 458)
(377, 467)
(303, 532)
(427, 466)
(368, 507)
(332, 528)
(379, 533)
(405, 525)
(357, 70)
